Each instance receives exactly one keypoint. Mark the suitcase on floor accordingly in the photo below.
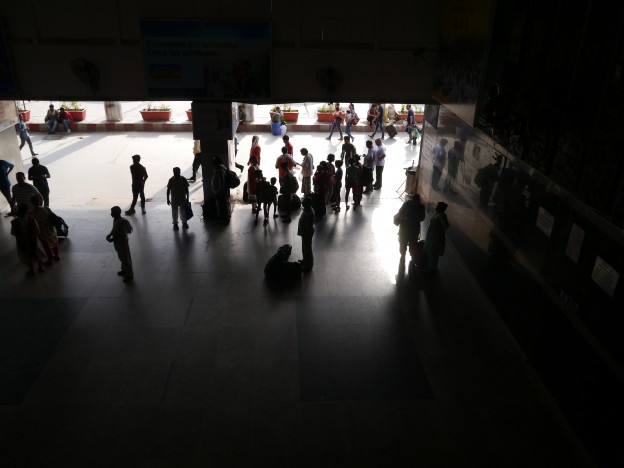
(318, 204)
(62, 229)
(295, 203)
(282, 203)
(245, 193)
(391, 130)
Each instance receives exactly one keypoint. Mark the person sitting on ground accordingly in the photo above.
(51, 119)
(372, 114)
(279, 268)
(66, 119)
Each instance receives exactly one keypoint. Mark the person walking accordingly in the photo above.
(139, 176)
(411, 214)
(379, 121)
(23, 191)
(255, 150)
(351, 120)
(251, 185)
(119, 238)
(352, 178)
(25, 230)
(5, 183)
(337, 123)
(380, 162)
(177, 198)
(305, 229)
(47, 232)
(24, 136)
(439, 161)
(39, 175)
(307, 169)
(435, 241)
(197, 157)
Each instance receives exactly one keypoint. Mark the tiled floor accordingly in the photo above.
(200, 362)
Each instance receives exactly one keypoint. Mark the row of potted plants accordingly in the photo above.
(325, 113)
(78, 113)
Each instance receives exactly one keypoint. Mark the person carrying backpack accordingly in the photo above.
(290, 186)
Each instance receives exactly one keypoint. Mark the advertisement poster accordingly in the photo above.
(575, 242)
(545, 221)
(207, 59)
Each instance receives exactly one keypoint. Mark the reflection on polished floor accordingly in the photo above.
(200, 362)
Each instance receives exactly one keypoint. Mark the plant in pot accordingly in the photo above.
(419, 113)
(156, 112)
(21, 110)
(76, 110)
(289, 114)
(325, 113)
(402, 114)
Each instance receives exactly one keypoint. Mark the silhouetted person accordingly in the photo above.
(39, 175)
(490, 175)
(5, 183)
(455, 156)
(435, 242)
(26, 231)
(177, 198)
(220, 189)
(23, 191)
(305, 229)
(119, 237)
(139, 176)
(412, 213)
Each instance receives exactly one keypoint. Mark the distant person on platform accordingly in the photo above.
(66, 119)
(378, 122)
(177, 198)
(51, 119)
(436, 236)
(39, 175)
(139, 176)
(119, 237)
(380, 163)
(24, 136)
(197, 155)
(5, 183)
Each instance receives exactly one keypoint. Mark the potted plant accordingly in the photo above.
(419, 113)
(156, 112)
(21, 110)
(76, 110)
(402, 114)
(325, 113)
(189, 114)
(290, 114)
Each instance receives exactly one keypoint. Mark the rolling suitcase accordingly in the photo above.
(417, 252)
(62, 229)
(245, 193)
(282, 203)
(391, 130)
(295, 203)
(318, 204)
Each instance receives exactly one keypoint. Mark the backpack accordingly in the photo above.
(290, 185)
(352, 174)
(231, 179)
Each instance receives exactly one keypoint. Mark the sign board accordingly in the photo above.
(605, 276)
(213, 60)
(575, 242)
(545, 221)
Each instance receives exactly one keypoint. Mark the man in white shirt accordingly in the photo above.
(380, 162)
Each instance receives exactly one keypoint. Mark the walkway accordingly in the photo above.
(200, 362)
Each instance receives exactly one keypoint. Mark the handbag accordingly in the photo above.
(188, 211)
(398, 218)
(355, 119)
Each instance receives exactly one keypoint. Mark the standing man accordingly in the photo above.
(119, 237)
(177, 198)
(39, 175)
(369, 167)
(284, 158)
(348, 150)
(410, 123)
(22, 192)
(139, 176)
(24, 136)
(51, 119)
(5, 184)
(307, 168)
(289, 187)
(379, 122)
(220, 188)
(380, 162)
(305, 229)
